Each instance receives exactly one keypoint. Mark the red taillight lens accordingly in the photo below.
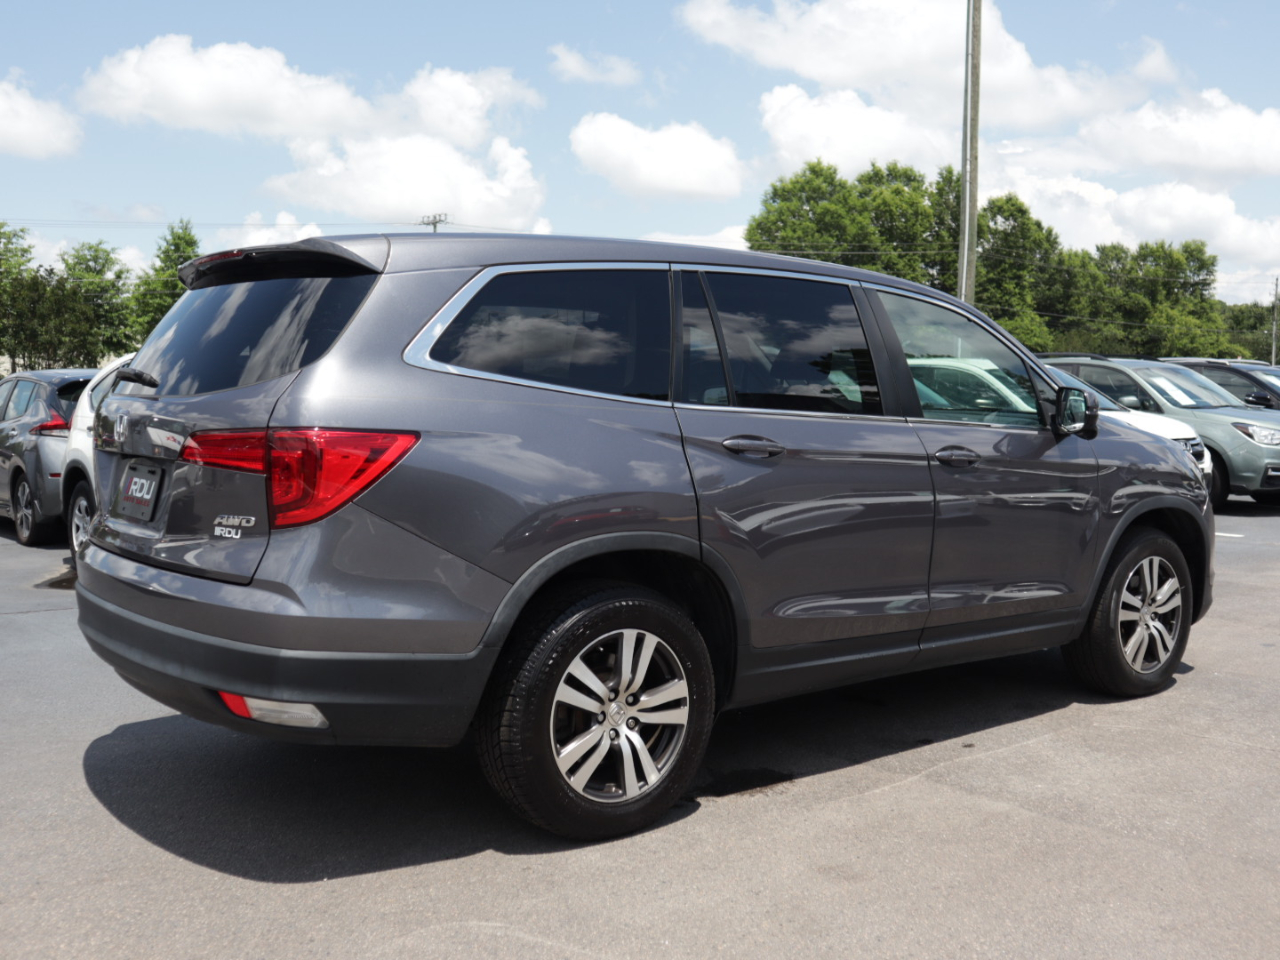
(55, 426)
(310, 473)
(233, 450)
(314, 472)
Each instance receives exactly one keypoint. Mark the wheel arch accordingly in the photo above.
(696, 580)
(1180, 522)
(72, 473)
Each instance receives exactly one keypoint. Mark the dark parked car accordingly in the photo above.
(35, 407)
(1256, 383)
(579, 496)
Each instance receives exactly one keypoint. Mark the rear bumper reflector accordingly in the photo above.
(275, 711)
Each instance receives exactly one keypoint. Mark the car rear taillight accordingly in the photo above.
(55, 426)
(310, 473)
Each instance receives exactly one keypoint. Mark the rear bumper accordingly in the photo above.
(368, 698)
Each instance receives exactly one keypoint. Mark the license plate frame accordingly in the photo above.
(139, 491)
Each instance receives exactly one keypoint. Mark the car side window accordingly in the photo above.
(952, 357)
(1236, 385)
(794, 344)
(1120, 385)
(606, 331)
(5, 390)
(21, 399)
(100, 390)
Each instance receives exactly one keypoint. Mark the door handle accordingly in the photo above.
(759, 448)
(957, 457)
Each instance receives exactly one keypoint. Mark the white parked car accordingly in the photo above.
(78, 505)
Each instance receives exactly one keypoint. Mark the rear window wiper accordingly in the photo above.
(134, 375)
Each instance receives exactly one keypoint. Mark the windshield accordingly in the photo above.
(1067, 380)
(1185, 388)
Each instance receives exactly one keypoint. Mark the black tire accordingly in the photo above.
(31, 529)
(1220, 484)
(77, 515)
(527, 726)
(1135, 656)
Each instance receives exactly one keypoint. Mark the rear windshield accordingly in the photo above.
(67, 396)
(239, 334)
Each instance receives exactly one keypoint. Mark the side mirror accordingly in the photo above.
(1076, 412)
(1259, 399)
(1129, 401)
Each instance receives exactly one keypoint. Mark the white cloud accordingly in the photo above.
(908, 55)
(679, 160)
(570, 65)
(32, 128)
(399, 179)
(133, 258)
(228, 88)
(429, 146)
(841, 129)
(730, 238)
(254, 232)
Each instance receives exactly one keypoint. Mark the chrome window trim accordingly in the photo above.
(825, 414)
(418, 352)
(762, 272)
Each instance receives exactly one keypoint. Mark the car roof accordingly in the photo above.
(55, 377)
(408, 252)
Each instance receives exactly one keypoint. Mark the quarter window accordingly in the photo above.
(961, 371)
(794, 344)
(21, 399)
(606, 331)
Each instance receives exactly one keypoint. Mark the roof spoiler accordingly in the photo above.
(314, 257)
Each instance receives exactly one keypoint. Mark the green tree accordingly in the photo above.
(159, 288)
(102, 281)
(942, 240)
(892, 221)
(15, 260)
(1014, 251)
(810, 214)
(53, 325)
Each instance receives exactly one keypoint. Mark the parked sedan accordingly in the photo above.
(34, 407)
(77, 464)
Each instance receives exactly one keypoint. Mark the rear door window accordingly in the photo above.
(603, 331)
(20, 400)
(1120, 386)
(239, 334)
(794, 344)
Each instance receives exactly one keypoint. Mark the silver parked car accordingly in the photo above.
(35, 408)
(78, 501)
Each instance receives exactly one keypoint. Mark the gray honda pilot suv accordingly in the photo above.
(576, 497)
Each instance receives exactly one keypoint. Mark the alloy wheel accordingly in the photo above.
(81, 517)
(23, 509)
(619, 717)
(1149, 615)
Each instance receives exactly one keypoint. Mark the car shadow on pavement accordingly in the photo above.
(287, 813)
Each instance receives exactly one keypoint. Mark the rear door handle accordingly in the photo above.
(758, 448)
(957, 457)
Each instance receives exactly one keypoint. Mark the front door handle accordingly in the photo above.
(957, 456)
(758, 448)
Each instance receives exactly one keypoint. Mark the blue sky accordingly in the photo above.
(1115, 120)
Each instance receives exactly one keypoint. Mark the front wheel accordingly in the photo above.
(597, 721)
(1141, 620)
(1220, 483)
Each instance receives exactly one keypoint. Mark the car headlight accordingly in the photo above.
(1265, 435)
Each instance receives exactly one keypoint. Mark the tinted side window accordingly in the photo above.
(6, 389)
(1120, 386)
(239, 334)
(1229, 380)
(607, 331)
(21, 399)
(702, 369)
(794, 344)
(961, 370)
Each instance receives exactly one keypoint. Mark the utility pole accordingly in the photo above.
(967, 265)
(434, 220)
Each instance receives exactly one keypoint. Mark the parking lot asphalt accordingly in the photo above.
(989, 810)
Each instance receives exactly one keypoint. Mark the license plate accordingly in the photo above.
(137, 498)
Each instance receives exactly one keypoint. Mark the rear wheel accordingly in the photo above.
(1141, 619)
(31, 530)
(79, 515)
(598, 720)
(1220, 485)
